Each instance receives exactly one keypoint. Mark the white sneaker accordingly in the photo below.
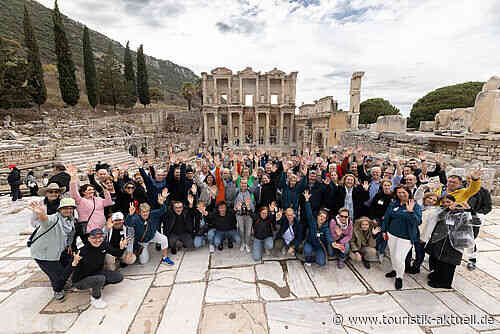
(212, 248)
(242, 247)
(98, 303)
(308, 264)
(247, 248)
(380, 258)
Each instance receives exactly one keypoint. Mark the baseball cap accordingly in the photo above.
(117, 216)
(96, 231)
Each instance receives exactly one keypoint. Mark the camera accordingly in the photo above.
(244, 210)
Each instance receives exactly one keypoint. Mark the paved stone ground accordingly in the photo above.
(229, 293)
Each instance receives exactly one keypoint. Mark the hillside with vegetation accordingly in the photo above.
(457, 96)
(164, 75)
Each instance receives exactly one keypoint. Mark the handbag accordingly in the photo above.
(32, 238)
(139, 248)
(81, 227)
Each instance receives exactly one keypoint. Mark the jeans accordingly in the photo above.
(319, 253)
(185, 239)
(201, 240)
(98, 281)
(337, 252)
(57, 271)
(258, 245)
(381, 243)
(419, 255)
(244, 224)
(15, 192)
(221, 235)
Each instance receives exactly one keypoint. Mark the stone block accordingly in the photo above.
(426, 126)
(391, 123)
(487, 108)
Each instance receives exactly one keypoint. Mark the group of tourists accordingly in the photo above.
(348, 205)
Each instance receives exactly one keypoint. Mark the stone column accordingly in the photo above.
(216, 122)
(205, 126)
(230, 125)
(268, 90)
(230, 93)
(241, 129)
(282, 91)
(216, 100)
(281, 127)
(204, 88)
(241, 92)
(256, 128)
(257, 97)
(268, 124)
(290, 131)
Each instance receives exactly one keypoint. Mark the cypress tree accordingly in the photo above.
(90, 71)
(142, 78)
(130, 73)
(35, 81)
(110, 79)
(65, 66)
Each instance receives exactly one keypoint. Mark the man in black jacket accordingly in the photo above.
(225, 226)
(89, 272)
(178, 226)
(14, 180)
(60, 177)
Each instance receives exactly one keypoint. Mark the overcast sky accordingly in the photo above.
(407, 48)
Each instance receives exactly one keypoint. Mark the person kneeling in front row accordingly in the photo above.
(88, 264)
(116, 231)
(364, 242)
(146, 225)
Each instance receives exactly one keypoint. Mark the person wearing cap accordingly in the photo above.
(51, 242)
(454, 187)
(116, 231)
(89, 272)
(60, 177)
(14, 180)
(146, 225)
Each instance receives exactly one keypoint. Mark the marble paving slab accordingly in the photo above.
(271, 282)
(24, 317)
(462, 307)
(299, 281)
(183, 309)
(148, 315)
(234, 318)
(123, 301)
(476, 295)
(229, 285)
(331, 281)
(453, 330)
(165, 277)
(485, 245)
(231, 257)
(489, 262)
(194, 266)
(300, 317)
(384, 314)
(418, 302)
(21, 253)
(144, 269)
(422, 279)
(492, 229)
(375, 276)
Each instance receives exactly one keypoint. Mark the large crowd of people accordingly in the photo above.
(349, 205)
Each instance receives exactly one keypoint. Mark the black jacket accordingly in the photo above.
(442, 249)
(223, 224)
(318, 193)
(198, 228)
(480, 203)
(123, 201)
(92, 261)
(177, 188)
(62, 179)
(379, 205)
(169, 221)
(14, 178)
(297, 231)
(359, 196)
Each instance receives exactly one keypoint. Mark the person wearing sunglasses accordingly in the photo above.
(341, 230)
(128, 195)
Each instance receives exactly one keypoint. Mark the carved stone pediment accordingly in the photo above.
(275, 72)
(222, 71)
(247, 71)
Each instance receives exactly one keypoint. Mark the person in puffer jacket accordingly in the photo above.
(341, 230)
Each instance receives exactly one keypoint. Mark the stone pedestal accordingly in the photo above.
(391, 123)
(487, 110)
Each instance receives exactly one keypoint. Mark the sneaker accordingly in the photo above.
(97, 303)
(221, 246)
(247, 248)
(308, 264)
(283, 251)
(173, 250)
(242, 247)
(211, 248)
(59, 295)
(230, 244)
(471, 266)
(340, 264)
(381, 258)
(366, 264)
(391, 274)
(167, 261)
(399, 283)
(430, 276)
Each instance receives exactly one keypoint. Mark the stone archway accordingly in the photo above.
(318, 139)
(133, 150)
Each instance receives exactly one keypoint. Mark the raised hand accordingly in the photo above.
(279, 214)
(194, 189)
(109, 223)
(307, 195)
(424, 178)
(139, 163)
(123, 243)
(376, 230)
(476, 173)
(190, 200)
(72, 170)
(165, 193)
(161, 199)
(76, 258)
(410, 205)
(131, 209)
(366, 185)
(327, 180)
(90, 170)
(272, 206)
(37, 208)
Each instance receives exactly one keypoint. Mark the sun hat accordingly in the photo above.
(65, 202)
(52, 186)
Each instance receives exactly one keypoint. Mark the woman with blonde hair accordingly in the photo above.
(364, 241)
(351, 195)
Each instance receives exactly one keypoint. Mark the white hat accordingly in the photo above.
(117, 216)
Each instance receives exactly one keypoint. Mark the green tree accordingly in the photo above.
(36, 80)
(127, 98)
(457, 96)
(90, 70)
(188, 92)
(65, 66)
(110, 80)
(129, 72)
(156, 94)
(199, 89)
(142, 78)
(371, 109)
(15, 91)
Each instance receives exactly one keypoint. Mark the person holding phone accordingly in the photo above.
(116, 231)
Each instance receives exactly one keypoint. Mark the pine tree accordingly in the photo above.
(36, 80)
(142, 78)
(110, 79)
(130, 76)
(65, 66)
(90, 71)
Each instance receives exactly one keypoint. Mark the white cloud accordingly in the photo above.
(406, 47)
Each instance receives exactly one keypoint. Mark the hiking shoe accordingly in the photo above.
(59, 295)
(471, 266)
(167, 261)
(98, 303)
(381, 258)
(221, 246)
(242, 247)
(230, 244)
(391, 274)
(399, 283)
(340, 264)
(247, 248)
(212, 248)
(366, 264)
